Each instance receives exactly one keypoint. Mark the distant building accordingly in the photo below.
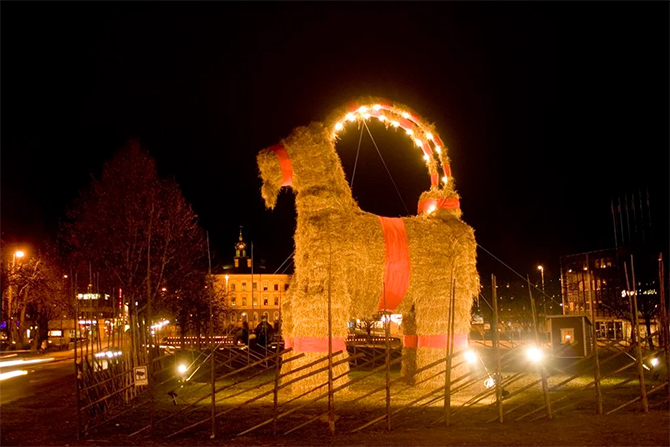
(594, 277)
(251, 293)
(599, 277)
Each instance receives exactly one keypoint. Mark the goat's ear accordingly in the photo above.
(270, 175)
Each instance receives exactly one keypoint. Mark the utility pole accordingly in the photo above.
(544, 298)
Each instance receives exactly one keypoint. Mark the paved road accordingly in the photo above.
(58, 372)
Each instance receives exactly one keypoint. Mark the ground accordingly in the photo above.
(50, 419)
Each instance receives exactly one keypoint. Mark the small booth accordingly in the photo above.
(570, 336)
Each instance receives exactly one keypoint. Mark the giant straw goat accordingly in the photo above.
(363, 263)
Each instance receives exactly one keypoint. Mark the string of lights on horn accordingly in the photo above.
(422, 135)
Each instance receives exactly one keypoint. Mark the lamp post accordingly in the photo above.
(544, 301)
(227, 300)
(544, 298)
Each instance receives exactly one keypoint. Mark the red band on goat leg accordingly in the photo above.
(314, 344)
(284, 164)
(397, 268)
(439, 341)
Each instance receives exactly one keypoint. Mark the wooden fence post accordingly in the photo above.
(665, 336)
(596, 373)
(543, 373)
(450, 353)
(638, 350)
(496, 348)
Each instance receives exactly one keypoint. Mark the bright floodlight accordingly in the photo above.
(183, 368)
(490, 382)
(534, 354)
(470, 356)
(19, 254)
(654, 361)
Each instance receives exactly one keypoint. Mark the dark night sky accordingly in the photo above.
(549, 109)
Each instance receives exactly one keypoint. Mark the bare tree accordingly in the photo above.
(36, 292)
(137, 230)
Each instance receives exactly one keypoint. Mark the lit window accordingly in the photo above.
(233, 301)
(265, 287)
(244, 300)
(244, 287)
(254, 301)
(265, 301)
(232, 286)
(567, 336)
(254, 286)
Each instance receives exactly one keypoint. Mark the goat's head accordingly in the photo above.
(306, 161)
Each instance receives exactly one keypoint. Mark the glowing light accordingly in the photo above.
(426, 157)
(24, 362)
(339, 126)
(9, 375)
(418, 142)
(470, 356)
(376, 107)
(654, 361)
(381, 117)
(429, 136)
(490, 382)
(19, 254)
(350, 117)
(405, 115)
(108, 354)
(395, 123)
(366, 115)
(409, 131)
(438, 149)
(445, 179)
(363, 109)
(534, 354)
(431, 209)
(182, 369)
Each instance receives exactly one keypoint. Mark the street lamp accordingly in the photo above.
(544, 299)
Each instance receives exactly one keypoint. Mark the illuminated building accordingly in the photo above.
(251, 293)
(605, 277)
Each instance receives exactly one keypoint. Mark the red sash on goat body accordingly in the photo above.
(397, 267)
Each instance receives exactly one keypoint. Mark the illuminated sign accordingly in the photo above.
(92, 296)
